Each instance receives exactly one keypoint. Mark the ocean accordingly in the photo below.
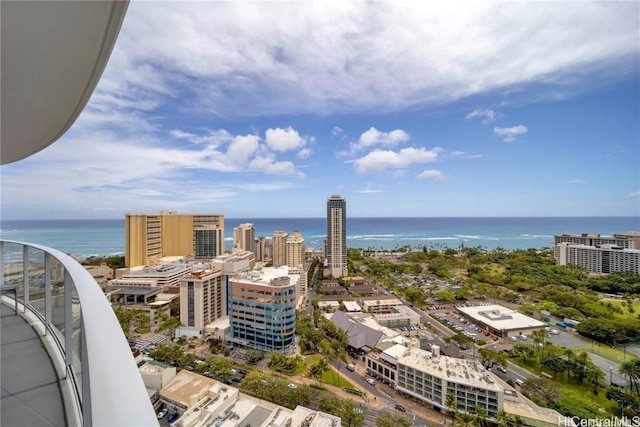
(102, 237)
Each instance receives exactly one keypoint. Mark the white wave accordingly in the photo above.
(463, 236)
(373, 236)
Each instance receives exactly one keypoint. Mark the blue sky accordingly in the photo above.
(264, 109)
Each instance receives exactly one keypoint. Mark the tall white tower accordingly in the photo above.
(336, 243)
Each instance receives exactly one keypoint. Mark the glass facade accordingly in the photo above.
(263, 316)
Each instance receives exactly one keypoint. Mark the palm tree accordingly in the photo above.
(502, 418)
(317, 369)
(465, 419)
(570, 355)
(582, 359)
(540, 336)
(631, 369)
(595, 375)
(480, 416)
(517, 421)
(452, 404)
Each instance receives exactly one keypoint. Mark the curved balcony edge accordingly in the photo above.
(117, 395)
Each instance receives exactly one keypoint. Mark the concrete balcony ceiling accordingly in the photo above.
(53, 54)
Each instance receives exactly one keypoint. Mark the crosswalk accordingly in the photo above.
(149, 343)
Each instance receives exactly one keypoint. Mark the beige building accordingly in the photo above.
(263, 249)
(294, 250)
(336, 240)
(203, 299)
(279, 248)
(149, 237)
(244, 237)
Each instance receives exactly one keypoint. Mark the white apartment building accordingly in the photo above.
(628, 240)
(429, 377)
(604, 258)
(244, 237)
(336, 240)
(203, 299)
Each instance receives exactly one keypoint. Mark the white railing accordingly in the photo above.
(57, 290)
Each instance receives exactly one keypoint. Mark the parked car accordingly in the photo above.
(351, 367)
(173, 417)
(162, 413)
(292, 386)
(501, 369)
(371, 381)
(519, 382)
(400, 408)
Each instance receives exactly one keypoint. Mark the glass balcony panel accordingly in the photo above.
(76, 322)
(13, 267)
(36, 281)
(57, 299)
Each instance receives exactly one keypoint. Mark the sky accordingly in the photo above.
(435, 109)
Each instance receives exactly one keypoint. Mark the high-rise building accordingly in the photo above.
(149, 237)
(203, 298)
(294, 250)
(336, 241)
(244, 237)
(279, 248)
(262, 310)
(208, 241)
(599, 259)
(263, 249)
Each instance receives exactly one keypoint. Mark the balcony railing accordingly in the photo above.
(66, 306)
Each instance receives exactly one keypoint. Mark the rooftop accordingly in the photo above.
(462, 371)
(500, 318)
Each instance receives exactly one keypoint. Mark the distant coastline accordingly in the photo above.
(104, 237)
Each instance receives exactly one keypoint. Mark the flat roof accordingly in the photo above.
(188, 388)
(500, 318)
(461, 371)
(351, 306)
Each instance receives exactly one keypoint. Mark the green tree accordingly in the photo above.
(451, 402)
(387, 419)
(631, 370)
(318, 368)
(253, 356)
(351, 416)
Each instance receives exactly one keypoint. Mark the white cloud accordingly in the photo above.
(369, 191)
(577, 181)
(509, 134)
(379, 160)
(304, 153)
(485, 114)
(336, 131)
(242, 148)
(259, 58)
(431, 174)
(284, 139)
(373, 137)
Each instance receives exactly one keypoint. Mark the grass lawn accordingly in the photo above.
(625, 313)
(572, 388)
(614, 354)
(330, 376)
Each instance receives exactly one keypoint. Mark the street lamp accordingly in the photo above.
(610, 375)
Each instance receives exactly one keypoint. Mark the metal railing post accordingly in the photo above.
(47, 292)
(25, 277)
(68, 320)
(1, 263)
(86, 386)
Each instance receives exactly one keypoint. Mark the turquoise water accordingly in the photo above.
(106, 237)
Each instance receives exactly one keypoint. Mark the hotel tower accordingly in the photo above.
(336, 242)
(149, 237)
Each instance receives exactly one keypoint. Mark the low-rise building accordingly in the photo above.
(501, 321)
(430, 377)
